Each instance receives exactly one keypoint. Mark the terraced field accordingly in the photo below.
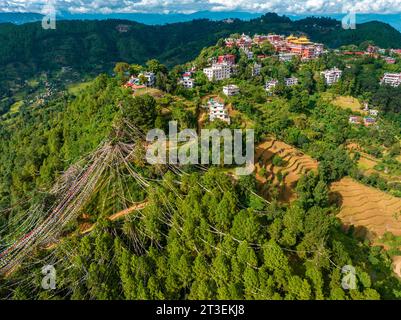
(370, 210)
(294, 165)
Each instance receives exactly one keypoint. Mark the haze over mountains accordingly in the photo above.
(156, 18)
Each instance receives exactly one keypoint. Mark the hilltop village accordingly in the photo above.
(256, 51)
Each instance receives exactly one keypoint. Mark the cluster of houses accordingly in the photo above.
(331, 76)
(243, 42)
(298, 46)
(377, 53)
(390, 79)
(288, 82)
(368, 120)
(143, 80)
(286, 47)
(217, 110)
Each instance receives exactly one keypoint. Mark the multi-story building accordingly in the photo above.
(230, 90)
(332, 76)
(389, 60)
(278, 42)
(218, 111)
(187, 80)
(271, 85)
(150, 76)
(256, 68)
(290, 81)
(218, 71)
(286, 56)
(301, 46)
(275, 38)
(391, 79)
(227, 58)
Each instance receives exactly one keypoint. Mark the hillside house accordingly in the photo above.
(373, 112)
(290, 81)
(134, 84)
(369, 121)
(187, 80)
(355, 120)
(218, 71)
(332, 76)
(227, 58)
(286, 56)
(230, 90)
(391, 79)
(389, 60)
(270, 85)
(256, 68)
(151, 78)
(218, 111)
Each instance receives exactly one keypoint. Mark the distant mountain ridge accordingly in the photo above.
(146, 18)
(19, 18)
(392, 19)
(159, 19)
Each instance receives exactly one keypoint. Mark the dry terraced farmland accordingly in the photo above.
(294, 165)
(371, 211)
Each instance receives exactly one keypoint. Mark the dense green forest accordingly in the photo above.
(203, 234)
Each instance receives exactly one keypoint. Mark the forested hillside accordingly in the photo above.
(202, 235)
(203, 232)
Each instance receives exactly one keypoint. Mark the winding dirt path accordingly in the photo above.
(118, 215)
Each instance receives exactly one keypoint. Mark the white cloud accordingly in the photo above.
(187, 6)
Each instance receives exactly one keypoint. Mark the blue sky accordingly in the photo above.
(190, 6)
